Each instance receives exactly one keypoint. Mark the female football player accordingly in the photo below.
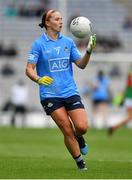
(52, 54)
(127, 104)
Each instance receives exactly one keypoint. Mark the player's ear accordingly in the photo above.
(47, 23)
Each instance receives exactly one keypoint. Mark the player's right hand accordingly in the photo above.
(92, 44)
(45, 80)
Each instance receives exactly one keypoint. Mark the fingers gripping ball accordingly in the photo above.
(45, 80)
(91, 44)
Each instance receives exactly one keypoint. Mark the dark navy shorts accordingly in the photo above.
(70, 103)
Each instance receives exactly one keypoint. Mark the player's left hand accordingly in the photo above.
(91, 44)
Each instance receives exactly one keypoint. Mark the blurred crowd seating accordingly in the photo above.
(31, 8)
(105, 44)
(9, 51)
(22, 10)
(21, 27)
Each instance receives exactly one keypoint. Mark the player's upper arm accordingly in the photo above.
(34, 53)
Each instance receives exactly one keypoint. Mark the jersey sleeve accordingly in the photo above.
(34, 53)
(75, 54)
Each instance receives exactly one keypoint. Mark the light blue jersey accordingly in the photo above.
(54, 58)
(102, 90)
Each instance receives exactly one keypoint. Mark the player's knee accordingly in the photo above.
(82, 129)
(68, 131)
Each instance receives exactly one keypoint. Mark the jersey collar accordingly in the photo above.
(47, 38)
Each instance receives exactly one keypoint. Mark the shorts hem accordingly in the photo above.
(73, 108)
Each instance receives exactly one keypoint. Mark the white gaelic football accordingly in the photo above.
(81, 27)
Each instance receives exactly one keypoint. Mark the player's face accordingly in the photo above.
(55, 22)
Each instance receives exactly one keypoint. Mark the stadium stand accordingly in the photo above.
(107, 17)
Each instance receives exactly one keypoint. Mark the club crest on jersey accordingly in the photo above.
(66, 49)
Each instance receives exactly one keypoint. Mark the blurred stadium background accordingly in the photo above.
(19, 19)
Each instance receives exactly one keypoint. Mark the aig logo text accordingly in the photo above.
(59, 64)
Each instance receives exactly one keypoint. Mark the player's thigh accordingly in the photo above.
(79, 118)
(62, 120)
(129, 112)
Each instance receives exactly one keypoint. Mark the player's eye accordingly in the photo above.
(58, 19)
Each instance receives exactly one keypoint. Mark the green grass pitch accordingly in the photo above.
(41, 154)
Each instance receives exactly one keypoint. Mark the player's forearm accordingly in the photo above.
(84, 61)
(31, 74)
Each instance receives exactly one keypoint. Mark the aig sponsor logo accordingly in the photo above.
(59, 64)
